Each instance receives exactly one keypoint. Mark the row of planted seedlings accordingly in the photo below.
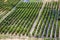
(10, 19)
(40, 20)
(55, 15)
(27, 4)
(56, 18)
(34, 32)
(33, 19)
(30, 4)
(43, 23)
(20, 17)
(52, 26)
(53, 33)
(47, 26)
(51, 29)
(25, 24)
(36, 25)
(49, 23)
(22, 21)
(13, 19)
(16, 20)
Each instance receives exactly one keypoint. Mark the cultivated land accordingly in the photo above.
(18, 23)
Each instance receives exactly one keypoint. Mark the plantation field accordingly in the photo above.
(20, 17)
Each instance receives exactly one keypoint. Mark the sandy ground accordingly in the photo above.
(50, 0)
(21, 39)
(1, 12)
(12, 37)
(5, 0)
